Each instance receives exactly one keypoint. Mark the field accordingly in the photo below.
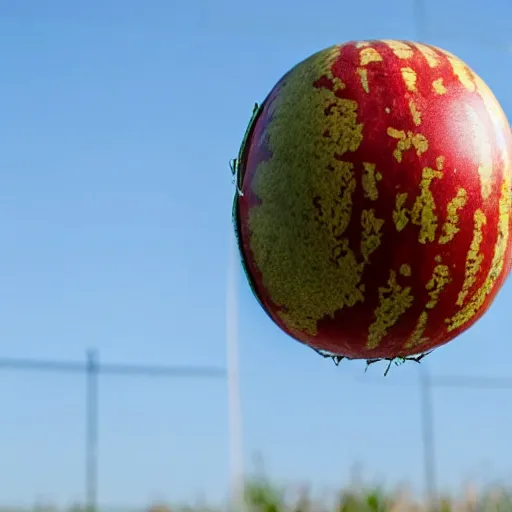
(263, 497)
(266, 498)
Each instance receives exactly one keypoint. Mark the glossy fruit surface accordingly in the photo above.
(376, 210)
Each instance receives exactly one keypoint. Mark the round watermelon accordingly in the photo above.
(373, 207)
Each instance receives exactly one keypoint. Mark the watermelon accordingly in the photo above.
(373, 206)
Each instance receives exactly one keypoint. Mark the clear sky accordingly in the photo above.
(117, 122)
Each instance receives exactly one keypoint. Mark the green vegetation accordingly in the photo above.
(263, 497)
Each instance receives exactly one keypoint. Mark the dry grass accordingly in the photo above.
(263, 497)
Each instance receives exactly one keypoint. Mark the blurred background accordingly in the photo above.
(118, 120)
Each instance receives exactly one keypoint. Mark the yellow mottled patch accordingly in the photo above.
(369, 55)
(429, 54)
(423, 211)
(485, 173)
(463, 74)
(369, 181)
(475, 303)
(440, 278)
(363, 75)
(474, 258)
(438, 86)
(405, 270)
(338, 85)
(400, 213)
(461, 71)
(440, 163)
(394, 301)
(362, 44)
(400, 49)
(410, 77)
(416, 114)
(371, 235)
(407, 141)
(450, 228)
(339, 208)
(483, 142)
(307, 266)
(416, 337)
(499, 121)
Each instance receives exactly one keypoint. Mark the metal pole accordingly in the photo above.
(91, 432)
(236, 460)
(427, 420)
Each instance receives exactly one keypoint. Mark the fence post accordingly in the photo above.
(236, 455)
(427, 425)
(91, 431)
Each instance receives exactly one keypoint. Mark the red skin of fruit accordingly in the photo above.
(433, 134)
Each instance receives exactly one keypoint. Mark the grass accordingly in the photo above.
(264, 497)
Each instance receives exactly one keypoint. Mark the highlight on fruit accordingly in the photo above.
(373, 200)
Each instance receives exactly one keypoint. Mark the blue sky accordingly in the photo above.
(117, 124)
